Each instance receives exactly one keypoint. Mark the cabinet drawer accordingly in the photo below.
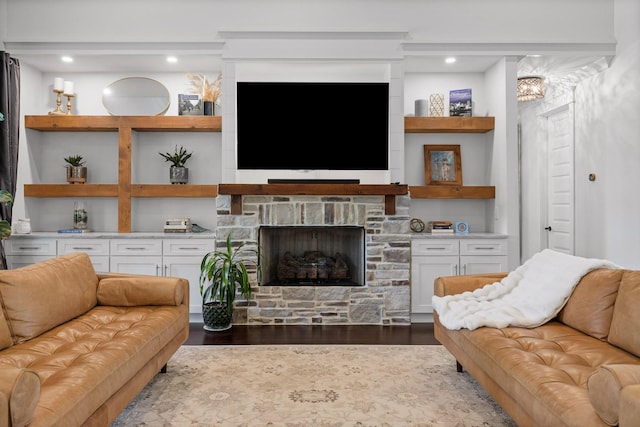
(434, 247)
(89, 246)
(30, 247)
(187, 247)
(483, 247)
(136, 247)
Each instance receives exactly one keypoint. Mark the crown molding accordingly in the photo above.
(113, 48)
(418, 48)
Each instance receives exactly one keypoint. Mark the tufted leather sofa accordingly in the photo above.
(581, 369)
(77, 347)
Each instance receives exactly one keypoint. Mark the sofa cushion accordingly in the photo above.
(604, 387)
(21, 388)
(626, 316)
(630, 406)
(5, 334)
(133, 291)
(590, 307)
(30, 306)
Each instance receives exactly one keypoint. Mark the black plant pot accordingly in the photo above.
(216, 317)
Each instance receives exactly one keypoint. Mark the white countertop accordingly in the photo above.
(113, 235)
(426, 235)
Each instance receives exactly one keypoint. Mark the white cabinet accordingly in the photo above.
(25, 251)
(136, 256)
(167, 257)
(182, 258)
(432, 258)
(97, 249)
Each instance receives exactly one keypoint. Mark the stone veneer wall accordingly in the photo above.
(386, 297)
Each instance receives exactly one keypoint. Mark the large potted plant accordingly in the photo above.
(5, 227)
(224, 275)
(76, 170)
(178, 172)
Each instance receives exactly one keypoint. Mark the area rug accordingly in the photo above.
(313, 385)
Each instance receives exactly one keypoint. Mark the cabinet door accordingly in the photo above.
(470, 264)
(187, 267)
(424, 271)
(30, 246)
(149, 265)
(17, 261)
(97, 249)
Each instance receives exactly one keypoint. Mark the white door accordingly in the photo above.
(560, 180)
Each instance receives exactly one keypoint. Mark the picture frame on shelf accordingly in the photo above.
(443, 165)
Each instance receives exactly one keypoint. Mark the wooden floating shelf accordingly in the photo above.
(448, 124)
(389, 191)
(70, 190)
(169, 190)
(452, 192)
(115, 123)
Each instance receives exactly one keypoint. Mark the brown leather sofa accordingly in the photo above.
(76, 347)
(581, 369)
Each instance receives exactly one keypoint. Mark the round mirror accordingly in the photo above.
(135, 96)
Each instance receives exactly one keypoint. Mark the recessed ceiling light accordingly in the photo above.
(172, 59)
(67, 59)
(450, 60)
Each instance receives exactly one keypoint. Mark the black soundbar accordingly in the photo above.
(313, 181)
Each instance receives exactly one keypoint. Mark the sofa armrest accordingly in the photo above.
(605, 387)
(451, 285)
(137, 290)
(630, 406)
(20, 390)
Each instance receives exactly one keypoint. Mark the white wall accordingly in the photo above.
(606, 143)
(435, 20)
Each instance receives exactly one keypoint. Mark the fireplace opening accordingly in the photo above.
(312, 256)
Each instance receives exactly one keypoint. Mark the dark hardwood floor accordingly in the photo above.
(414, 334)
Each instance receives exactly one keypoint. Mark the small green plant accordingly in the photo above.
(224, 272)
(178, 158)
(5, 227)
(76, 160)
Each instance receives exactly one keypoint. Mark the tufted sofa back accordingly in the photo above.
(604, 305)
(29, 309)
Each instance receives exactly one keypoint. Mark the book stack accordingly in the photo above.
(440, 227)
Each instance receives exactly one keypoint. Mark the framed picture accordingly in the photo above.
(443, 165)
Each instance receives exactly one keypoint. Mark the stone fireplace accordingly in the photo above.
(358, 227)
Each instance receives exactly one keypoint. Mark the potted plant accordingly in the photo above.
(178, 173)
(224, 274)
(5, 227)
(76, 170)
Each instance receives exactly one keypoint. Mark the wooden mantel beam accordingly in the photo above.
(389, 191)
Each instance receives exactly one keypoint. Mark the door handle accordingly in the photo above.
(548, 228)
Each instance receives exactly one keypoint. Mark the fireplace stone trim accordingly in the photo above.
(385, 299)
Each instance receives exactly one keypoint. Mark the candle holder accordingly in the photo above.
(58, 110)
(69, 96)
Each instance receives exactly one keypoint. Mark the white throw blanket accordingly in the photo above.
(529, 296)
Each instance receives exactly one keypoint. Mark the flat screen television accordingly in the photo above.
(312, 126)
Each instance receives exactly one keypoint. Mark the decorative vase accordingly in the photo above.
(436, 107)
(208, 108)
(76, 174)
(80, 217)
(215, 317)
(178, 175)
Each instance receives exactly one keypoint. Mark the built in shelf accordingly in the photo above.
(452, 192)
(448, 124)
(73, 123)
(389, 191)
(125, 189)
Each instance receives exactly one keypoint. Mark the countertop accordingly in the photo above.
(425, 235)
(113, 235)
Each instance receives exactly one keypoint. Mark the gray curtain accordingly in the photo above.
(9, 129)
